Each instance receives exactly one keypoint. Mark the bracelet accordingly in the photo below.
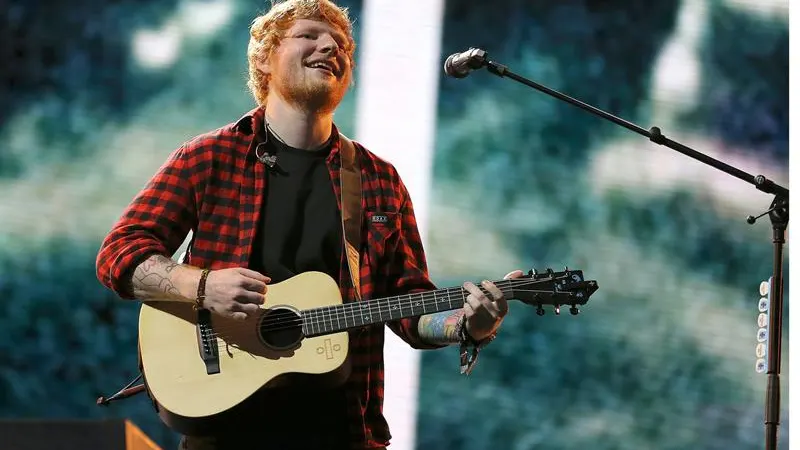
(469, 358)
(201, 290)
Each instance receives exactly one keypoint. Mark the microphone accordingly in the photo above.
(459, 65)
(268, 159)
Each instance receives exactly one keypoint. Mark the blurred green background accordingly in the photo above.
(95, 95)
(663, 356)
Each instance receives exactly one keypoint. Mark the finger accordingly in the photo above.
(250, 297)
(514, 274)
(253, 274)
(500, 301)
(479, 301)
(249, 309)
(474, 304)
(497, 295)
(253, 285)
(469, 311)
(239, 316)
(472, 289)
(494, 292)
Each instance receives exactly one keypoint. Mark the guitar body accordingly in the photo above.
(194, 396)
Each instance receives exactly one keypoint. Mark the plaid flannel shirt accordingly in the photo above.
(214, 186)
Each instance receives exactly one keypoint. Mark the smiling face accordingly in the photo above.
(310, 69)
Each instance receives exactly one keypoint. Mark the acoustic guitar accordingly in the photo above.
(198, 367)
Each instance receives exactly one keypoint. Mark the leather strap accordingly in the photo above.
(350, 179)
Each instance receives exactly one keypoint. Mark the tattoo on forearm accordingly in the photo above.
(440, 328)
(151, 279)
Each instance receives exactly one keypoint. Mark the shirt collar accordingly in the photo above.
(254, 121)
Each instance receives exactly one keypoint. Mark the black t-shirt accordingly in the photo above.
(299, 229)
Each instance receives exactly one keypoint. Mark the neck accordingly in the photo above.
(306, 130)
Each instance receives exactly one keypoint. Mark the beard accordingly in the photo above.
(310, 92)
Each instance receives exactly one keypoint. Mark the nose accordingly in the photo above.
(328, 45)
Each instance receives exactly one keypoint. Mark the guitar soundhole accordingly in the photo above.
(281, 328)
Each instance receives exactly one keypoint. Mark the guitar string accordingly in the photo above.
(338, 313)
(317, 321)
(327, 321)
(231, 348)
(346, 310)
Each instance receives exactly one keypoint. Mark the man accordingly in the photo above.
(260, 196)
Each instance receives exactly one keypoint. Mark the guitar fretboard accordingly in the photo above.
(333, 319)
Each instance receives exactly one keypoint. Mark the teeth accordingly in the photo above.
(322, 66)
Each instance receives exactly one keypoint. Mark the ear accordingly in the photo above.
(264, 66)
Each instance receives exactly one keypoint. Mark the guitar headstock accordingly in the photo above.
(567, 287)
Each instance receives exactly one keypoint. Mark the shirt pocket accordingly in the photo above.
(383, 235)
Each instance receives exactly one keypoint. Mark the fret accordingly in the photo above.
(365, 318)
(397, 311)
(329, 321)
(311, 321)
(348, 312)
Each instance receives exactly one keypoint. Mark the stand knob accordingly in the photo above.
(752, 219)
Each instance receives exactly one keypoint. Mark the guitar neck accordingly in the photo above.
(334, 319)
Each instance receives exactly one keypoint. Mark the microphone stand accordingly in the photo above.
(778, 215)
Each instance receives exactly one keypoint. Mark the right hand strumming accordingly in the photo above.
(235, 293)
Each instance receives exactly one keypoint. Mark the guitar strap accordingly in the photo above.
(350, 180)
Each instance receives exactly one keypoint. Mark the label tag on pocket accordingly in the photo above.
(380, 218)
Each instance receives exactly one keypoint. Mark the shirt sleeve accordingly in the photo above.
(410, 272)
(156, 221)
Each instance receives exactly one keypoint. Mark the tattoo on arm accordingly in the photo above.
(151, 280)
(440, 328)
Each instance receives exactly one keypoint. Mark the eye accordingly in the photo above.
(307, 36)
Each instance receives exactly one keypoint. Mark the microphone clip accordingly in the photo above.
(268, 159)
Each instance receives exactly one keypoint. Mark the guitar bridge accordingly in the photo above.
(207, 342)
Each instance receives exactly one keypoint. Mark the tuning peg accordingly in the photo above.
(539, 310)
(574, 310)
(557, 310)
(533, 272)
(566, 268)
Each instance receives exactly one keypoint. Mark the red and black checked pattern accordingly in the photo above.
(214, 186)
